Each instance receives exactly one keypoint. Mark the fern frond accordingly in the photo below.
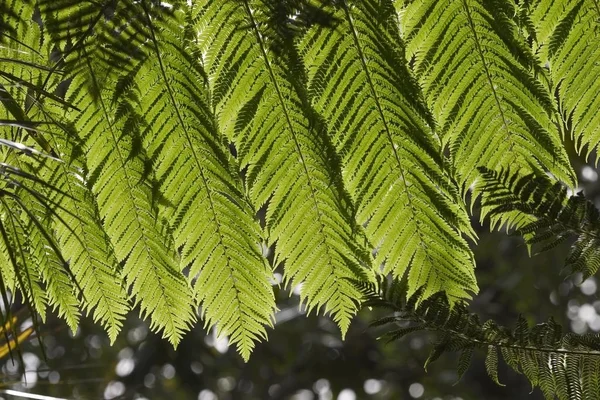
(476, 75)
(82, 239)
(9, 20)
(7, 271)
(291, 165)
(501, 197)
(22, 62)
(567, 41)
(213, 223)
(562, 366)
(37, 265)
(122, 187)
(112, 31)
(27, 276)
(359, 82)
(36, 221)
(542, 211)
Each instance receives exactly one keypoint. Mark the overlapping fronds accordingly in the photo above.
(33, 263)
(118, 174)
(289, 160)
(82, 238)
(9, 17)
(566, 37)
(477, 76)
(51, 236)
(212, 221)
(544, 213)
(111, 31)
(16, 250)
(45, 274)
(35, 224)
(142, 140)
(358, 80)
(563, 366)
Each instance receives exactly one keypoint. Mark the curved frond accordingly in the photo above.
(118, 175)
(212, 221)
(258, 95)
(567, 40)
(359, 82)
(477, 77)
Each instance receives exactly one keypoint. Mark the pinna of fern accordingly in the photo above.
(563, 366)
(566, 38)
(542, 211)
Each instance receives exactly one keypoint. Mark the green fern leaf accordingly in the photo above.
(590, 377)
(63, 282)
(295, 170)
(7, 271)
(491, 364)
(10, 18)
(438, 349)
(75, 25)
(27, 275)
(567, 39)
(475, 73)
(359, 82)
(543, 213)
(34, 262)
(232, 278)
(53, 269)
(124, 195)
(464, 362)
(83, 240)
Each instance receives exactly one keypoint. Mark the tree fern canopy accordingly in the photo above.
(168, 156)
